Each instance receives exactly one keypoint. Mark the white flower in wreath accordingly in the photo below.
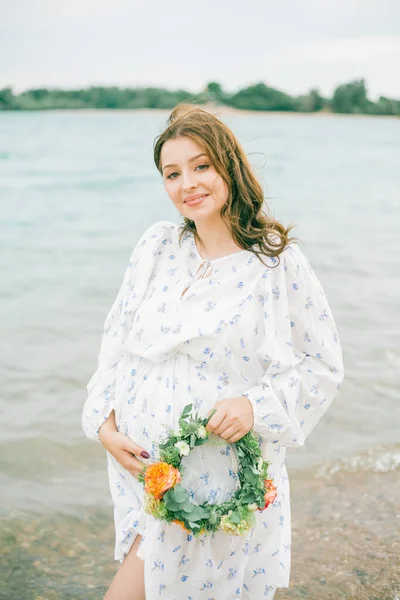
(202, 432)
(183, 448)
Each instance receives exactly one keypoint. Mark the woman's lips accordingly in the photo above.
(196, 200)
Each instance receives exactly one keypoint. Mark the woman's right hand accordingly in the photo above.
(121, 447)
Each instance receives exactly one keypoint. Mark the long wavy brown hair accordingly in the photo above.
(250, 226)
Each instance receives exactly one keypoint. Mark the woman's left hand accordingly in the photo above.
(233, 418)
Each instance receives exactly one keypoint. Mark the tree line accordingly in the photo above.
(348, 98)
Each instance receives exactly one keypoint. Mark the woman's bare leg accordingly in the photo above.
(128, 583)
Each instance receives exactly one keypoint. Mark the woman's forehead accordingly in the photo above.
(178, 150)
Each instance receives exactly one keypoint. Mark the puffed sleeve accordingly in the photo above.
(101, 387)
(303, 365)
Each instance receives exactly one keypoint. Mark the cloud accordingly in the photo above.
(289, 45)
(349, 50)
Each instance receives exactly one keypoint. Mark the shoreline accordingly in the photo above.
(345, 544)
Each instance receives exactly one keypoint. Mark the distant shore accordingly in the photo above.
(350, 97)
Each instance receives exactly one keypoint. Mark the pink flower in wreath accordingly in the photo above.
(270, 493)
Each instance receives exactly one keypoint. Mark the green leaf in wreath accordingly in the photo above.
(171, 505)
(186, 411)
(190, 510)
(234, 517)
(170, 500)
(208, 418)
(251, 519)
(199, 513)
(179, 494)
(249, 475)
(200, 441)
(213, 518)
(248, 498)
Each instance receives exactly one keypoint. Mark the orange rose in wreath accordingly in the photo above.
(183, 526)
(159, 478)
(270, 493)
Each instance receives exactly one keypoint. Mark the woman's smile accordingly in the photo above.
(195, 200)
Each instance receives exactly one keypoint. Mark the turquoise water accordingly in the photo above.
(77, 189)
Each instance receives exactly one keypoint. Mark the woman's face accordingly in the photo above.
(191, 181)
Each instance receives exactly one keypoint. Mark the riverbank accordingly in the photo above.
(346, 532)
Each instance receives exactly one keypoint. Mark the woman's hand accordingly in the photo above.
(233, 418)
(121, 447)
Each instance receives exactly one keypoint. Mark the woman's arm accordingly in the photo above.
(292, 395)
(109, 426)
(305, 371)
(101, 388)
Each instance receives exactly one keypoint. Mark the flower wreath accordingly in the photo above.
(167, 500)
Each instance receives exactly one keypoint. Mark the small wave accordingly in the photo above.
(379, 460)
(393, 357)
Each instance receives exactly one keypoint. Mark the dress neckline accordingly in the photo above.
(214, 260)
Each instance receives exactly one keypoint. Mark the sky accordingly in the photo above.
(291, 45)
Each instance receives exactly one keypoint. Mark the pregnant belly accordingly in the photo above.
(150, 401)
(150, 396)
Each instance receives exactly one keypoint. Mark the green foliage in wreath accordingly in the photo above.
(168, 500)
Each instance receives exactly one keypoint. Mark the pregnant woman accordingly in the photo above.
(225, 313)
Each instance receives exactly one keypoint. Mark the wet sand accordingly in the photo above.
(346, 538)
(346, 545)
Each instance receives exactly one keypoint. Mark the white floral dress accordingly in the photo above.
(187, 330)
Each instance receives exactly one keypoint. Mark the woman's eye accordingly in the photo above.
(174, 174)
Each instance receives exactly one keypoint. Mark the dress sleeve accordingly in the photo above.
(301, 381)
(101, 387)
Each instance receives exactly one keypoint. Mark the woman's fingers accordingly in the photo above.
(119, 441)
(134, 448)
(231, 434)
(232, 412)
(223, 427)
(137, 468)
(131, 464)
(236, 437)
(127, 453)
(216, 421)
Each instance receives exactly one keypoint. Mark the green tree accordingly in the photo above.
(311, 102)
(262, 97)
(350, 98)
(7, 99)
(215, 93)
(386, 106)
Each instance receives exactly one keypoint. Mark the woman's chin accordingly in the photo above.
(202, 214)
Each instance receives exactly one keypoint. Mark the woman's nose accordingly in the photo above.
(189, 181)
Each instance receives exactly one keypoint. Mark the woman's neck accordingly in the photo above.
(215, 240)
